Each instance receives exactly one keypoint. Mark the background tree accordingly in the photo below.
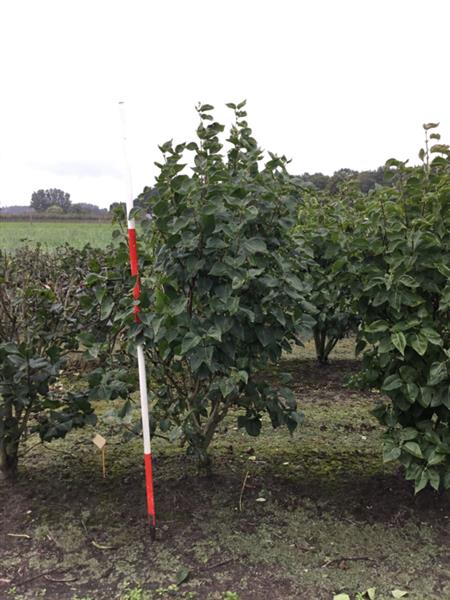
(339, 177)
(369, 179)
(43, 199)
(365, 180)
(114, 206)
(86, 208)
(39, 201)
(316, 180)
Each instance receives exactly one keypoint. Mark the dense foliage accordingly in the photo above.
(46, 313)
(238, 261)
(221, 300)
(403, 247)
(325, 227)
(38, 327)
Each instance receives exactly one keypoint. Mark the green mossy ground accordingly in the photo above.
(334, 518)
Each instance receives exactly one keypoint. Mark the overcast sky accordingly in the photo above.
(331, 84)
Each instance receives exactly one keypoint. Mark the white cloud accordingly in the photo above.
(330, 84)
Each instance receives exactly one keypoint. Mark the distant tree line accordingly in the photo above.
(54, 201)
(53, 204)
(365, 180)
(43, 200)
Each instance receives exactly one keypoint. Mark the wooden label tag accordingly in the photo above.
(99, 441)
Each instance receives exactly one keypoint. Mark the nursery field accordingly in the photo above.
(53, 234)
(279, 474)
(304, 517)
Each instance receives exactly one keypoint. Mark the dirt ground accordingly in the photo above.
(303, 517)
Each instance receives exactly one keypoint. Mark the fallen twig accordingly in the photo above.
(65, 452)
(219, 564)
(102, 546)
(348, 558)
(30, 448)
(20, 535)
(242, 491)
(56, 580)
(43, 574)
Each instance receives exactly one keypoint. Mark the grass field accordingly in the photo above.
(53, 234)
(283, 518)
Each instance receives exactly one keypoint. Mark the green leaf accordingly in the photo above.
(413, 448)
(398, 593)
(341, 597)
(252, 424)
(412, 391)
(432, 336)
(181, 184)
(436, 458)
(215, 333)
(419, 342)
(371, 593)
(438, 373)
(421, 481)
(264, 335)
(434, 479)
(190, 340)
(425, 397)
(106, 308)
(376, 327)
(392, 382)
(441, 148)
(182, 576)
(399, 340)
(392, 454)
(255, 245)
(408, 433)
(242, 376)
(177, 306)
(166, 146)
(428, 126)
(201, 356)
(408, 374)
(219, 269)
(226, 386)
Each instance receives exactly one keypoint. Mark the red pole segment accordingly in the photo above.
(139, 348)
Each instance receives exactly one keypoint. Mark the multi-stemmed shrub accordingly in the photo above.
(325, 228)
(39, 324)
(403, 249)
(220, 299)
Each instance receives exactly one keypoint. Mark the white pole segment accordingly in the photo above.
(129, 200)
(144, 399)
(139, 347)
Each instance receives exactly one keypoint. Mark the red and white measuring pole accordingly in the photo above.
(139, 348)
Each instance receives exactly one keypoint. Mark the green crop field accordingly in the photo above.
(53, 234)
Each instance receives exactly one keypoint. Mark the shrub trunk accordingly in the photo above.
(8, 461)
